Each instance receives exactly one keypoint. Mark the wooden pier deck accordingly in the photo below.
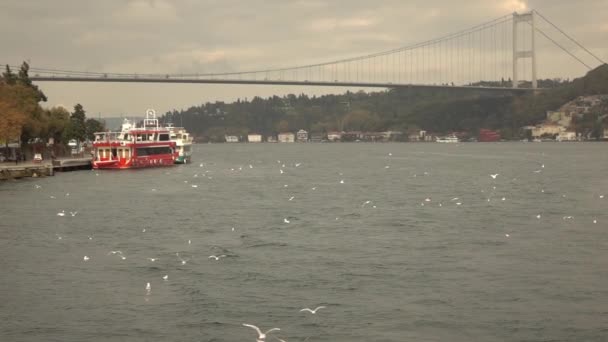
(27, 169)
(10, 170)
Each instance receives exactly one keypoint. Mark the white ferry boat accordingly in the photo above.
(183, 144)
(448, 139)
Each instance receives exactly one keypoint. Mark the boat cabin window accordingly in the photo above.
(114, 153)
(164, 137)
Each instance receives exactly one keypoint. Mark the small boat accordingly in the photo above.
(135, 147)
(448, 139)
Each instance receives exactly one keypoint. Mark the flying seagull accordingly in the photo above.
(313, 311)
(261, 335)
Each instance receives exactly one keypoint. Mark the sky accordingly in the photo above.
(201, 36)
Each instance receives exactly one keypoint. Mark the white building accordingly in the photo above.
(287, 137)
(334, 136)
(302, 136)
(566, 136)
(231, 138)
(254, 138)
(547, 128)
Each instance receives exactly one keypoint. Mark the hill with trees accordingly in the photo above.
(399, 109)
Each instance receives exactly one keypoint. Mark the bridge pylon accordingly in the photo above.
(526, 52)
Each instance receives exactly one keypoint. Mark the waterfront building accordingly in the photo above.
(254, 138)
(231, 138)
(302, 136)
(287, 137)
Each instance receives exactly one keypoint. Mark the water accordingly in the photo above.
(399, 271)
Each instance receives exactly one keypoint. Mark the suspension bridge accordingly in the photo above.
(499, 55)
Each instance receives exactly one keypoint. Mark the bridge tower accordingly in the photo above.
(524, 18)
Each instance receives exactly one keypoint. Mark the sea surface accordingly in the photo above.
(399, 242)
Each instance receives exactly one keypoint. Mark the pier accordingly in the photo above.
(10, 170)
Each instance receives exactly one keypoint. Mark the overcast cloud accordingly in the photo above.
(190, 36)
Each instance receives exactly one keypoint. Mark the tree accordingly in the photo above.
(12, 114)
(58, 119)
(93, 126)
(76, 128)
(24, 79)
(20, 112)
(8, 77)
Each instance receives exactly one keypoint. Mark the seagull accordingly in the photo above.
(37, 186)
(189, 242)
(143, 230)
(342, 181)
(201, 165)
(291, 198)
(67, 194)
(73, 213)
(51, 196)
(504, 199)
(314, 188)
(115, 252)
(59, 237)
(601, 196)
(494, 175)
(152, 259)
(250, 166)
(148, 287)
(216, 257)
(537, 171)
(166, 277)
(427, 199)
(153, 189)
(281, 171)
(194, 186)
(366, 202)
(542, 166)
(90, 238)
(454, 199)
(62, 213)
(313, 311)
(298, 164)
(507, 235)
(390, 154)
(182, 260)
(286, 220)
(261, 335)
(86, 258)
(458, 203)
(568, 217)
(232, 228)
(386, 167)
(538, 216)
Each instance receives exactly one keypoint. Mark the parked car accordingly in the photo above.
(37, 158)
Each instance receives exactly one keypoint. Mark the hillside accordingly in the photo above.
(438, 111)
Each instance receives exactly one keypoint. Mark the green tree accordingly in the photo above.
(77, 127)
(8, 77)
(24, 79)
(93, 126)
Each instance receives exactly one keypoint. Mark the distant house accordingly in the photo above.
(254, 138)
(287, 137)
(547, 129)
(317, 137)
(393, 135)
(271, 139)
(566, 136)
(231, 138)
(302, 136)
(334, 136)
